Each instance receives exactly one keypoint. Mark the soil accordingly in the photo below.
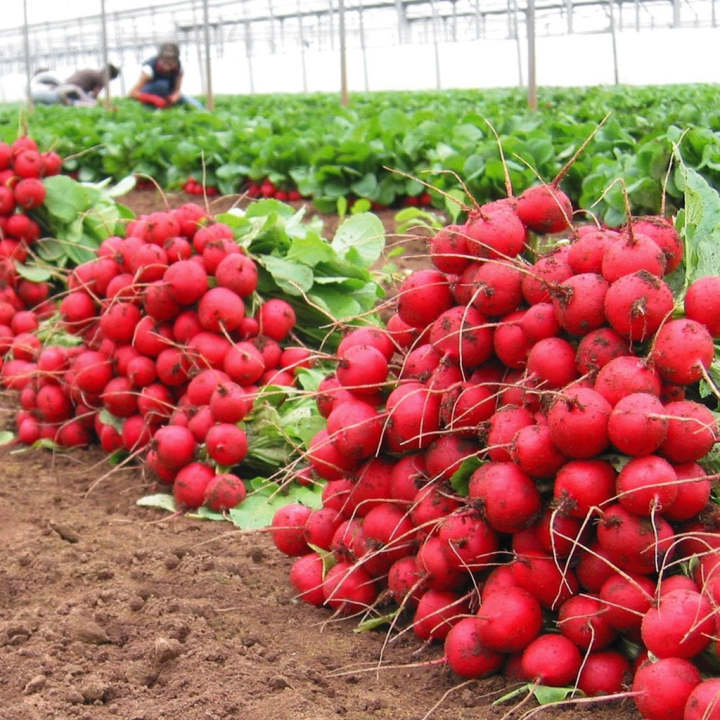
(110, 610)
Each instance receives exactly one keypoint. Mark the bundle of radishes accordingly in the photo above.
(167, 361)
(516, 462)
(22, 168)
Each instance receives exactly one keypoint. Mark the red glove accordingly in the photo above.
(150, 99)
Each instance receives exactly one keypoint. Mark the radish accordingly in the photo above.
(540, 576)
(244, 363)
(681, 625)
(497, 288)
(355, 429)
(494, 230)
(539, 322)
(632, 252)
(414, 417)
(288, 525)
(502, 428)
(552, 362)
(374, 336)
(625, 375)
(208, 349)
(348, 589)
(466, 653)
(276, 319)
(704, 701)
(533, 451)
(578, 421)
(462, 334)
(510, 342)
(420, 363)
(702, 303)
(509, 497)
(408, 475)
(663, 688)
(224, 492)
(326, 460)
(594, 568)
(636, 305)
(552, 660)
(306, 576)
(422, 297)
(683, 351)
(362, 368)
(446, 455)
(439, 566)
(691, 431)
(226, 444)
(464, 406)
(186, 281)
(320, 527)
(436, 613)
(432, 503)
(545, 209)
(191, 483)
(117, 397)
(405, 582)
(662, 231)
(220, 309)
(448, 250)
(547, 272)
(509, 619)
(558, 533)
(469, 537)
(586, 253)
(637, 425)
(604, 673)
(579, 303)
(583, 621)
(692, 496)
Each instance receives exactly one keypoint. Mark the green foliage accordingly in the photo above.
(330, 152)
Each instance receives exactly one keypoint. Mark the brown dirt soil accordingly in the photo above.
(109, 610)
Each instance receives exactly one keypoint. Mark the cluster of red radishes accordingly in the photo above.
(169, 361)
(194, 187)
(267, 189)
(566, 381)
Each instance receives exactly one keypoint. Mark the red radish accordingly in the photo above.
(445, 455)
(510, 342)
(637, 544)
(540, 576)
(604, 673)
(414, 417)
(306, 576)
(494, 230)
(203, 385)
(533, 451)
(579, 303)
(362, 368)
(53, 405)
(327, 461)
(355, 429)
(583, 484)
(437, 611)
(229, 403)
(509, 619)
(704, 701)
(448, 250)
(466, 654)
(432, 503)
(594, 568)
(462, 334)
(692, 431)
(287, 529)
(374, 336)
(681, 625)
(191, 483)
(539, 322)
(578, 423)
(552, 660)
(208, 349)
(226, 444)
(631, 253)
(423, 296)
(636, 305)
(187, 282)
(502, 428)
(552, 362)
(224, 492)
(348, 589)
(683, 351)
(439, 565)
(77, 309)
(119, 398)
(29, 193)
(510, 497)
(663, 688)
(497, 288)
(547, 272)
(320, 527)
(401, 332)
(625, 375)
(702, 303)
(586, 253)
(545, 209)
(466, 405)
(637, 425)
(92, 371)
(141, 371)
(238, 273)
(276, 319)
(662, 231)
(158, 301)
(172, 367)
(118, 322)
(220, 310)
(470, 538)
(582, 620)
(244, 363)
(692, 495)
(407, 477)
(558, 533)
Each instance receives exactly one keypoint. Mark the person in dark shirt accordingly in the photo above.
(92, 82)
(161, 79)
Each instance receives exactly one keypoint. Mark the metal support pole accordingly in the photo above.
(344, 99)
(454, 21)
(402, 21)
(477, 19)
(272, 26)
(302, 47)
(676, 13)
(361, 27)
(518, 48)
(570, 16)
(103, 21)
(198, 50)
(637, 15)
(248, 53)
(26, 45)
(208, 64)
(532, 77)
(613, 35)
(435, 44)
(714, 16)
(331, 24)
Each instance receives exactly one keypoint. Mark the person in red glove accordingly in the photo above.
(160, 80)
